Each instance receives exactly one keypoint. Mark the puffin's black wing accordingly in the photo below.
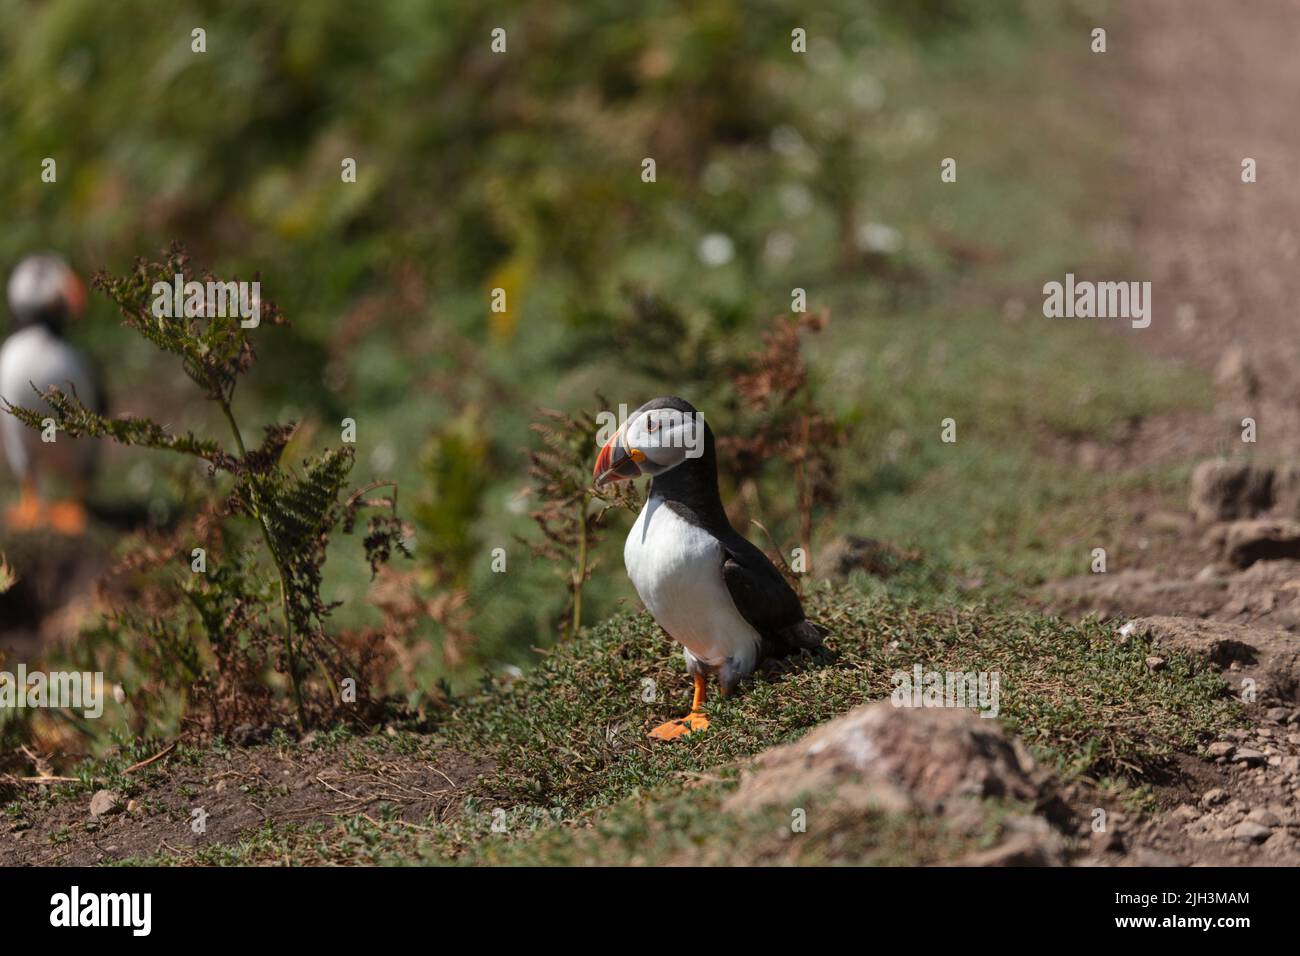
(765, 600)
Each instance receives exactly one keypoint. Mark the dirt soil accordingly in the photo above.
(235, 793)
(1205, 85)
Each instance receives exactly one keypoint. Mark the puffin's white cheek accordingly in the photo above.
(664, 458)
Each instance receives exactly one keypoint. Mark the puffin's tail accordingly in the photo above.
(806, 635)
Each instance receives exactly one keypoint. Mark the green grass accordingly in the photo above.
(570, 734)
(576, 780)
(583, 785)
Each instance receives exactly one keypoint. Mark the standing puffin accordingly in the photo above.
(43, 294)
(713, 592)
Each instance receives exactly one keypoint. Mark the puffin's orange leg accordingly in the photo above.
(68, 517)
(692, 722)
(28, 513)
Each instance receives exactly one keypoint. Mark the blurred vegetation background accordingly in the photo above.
(775, 170)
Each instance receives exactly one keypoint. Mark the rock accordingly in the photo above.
(1265, 818)
(104, 802)
(847, 553)
(1248, 756)
(1269, 656)
(1214, 797)
(1248, 831)
(1279, 843)
(1155, 663)
(1206, 828)
(1150, 856)
(1286, 492)
(1227, 817)
(901, 757)
(1279, 715)
(1185, 813)
(133, 806)
(1260, 539)
(937, 761)
(1220, 748)
(1222, 490)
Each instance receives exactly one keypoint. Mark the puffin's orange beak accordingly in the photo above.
(616, 462)
(74, 294)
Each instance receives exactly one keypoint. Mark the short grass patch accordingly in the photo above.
(573, 779)
(571, 734)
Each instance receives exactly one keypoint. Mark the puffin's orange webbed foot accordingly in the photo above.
(28, 514)
(691, 723)
(681, 727)
(68, 517)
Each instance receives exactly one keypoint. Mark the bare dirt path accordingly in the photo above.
(1208, 85)
(1197, 88)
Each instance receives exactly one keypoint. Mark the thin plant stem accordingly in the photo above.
(265, 527)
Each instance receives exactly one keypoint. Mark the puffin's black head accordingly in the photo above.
(43, 290)
(664, 435)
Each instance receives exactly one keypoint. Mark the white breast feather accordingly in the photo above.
(35, 356)
(676, 569)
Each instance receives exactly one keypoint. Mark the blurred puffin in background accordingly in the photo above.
(713, 592)
(44, 293)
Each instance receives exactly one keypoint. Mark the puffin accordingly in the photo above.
(708, 587)
(44, 293)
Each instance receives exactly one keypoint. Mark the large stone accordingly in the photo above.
(1268, 656)
(1286, 492)
(1223, 490)
(1264, 817)
(1250, 832)
(849, 552)
(104, 802)
(1260, 539)
(895, 760)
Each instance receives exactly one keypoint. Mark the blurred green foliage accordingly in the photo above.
(522, 170)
